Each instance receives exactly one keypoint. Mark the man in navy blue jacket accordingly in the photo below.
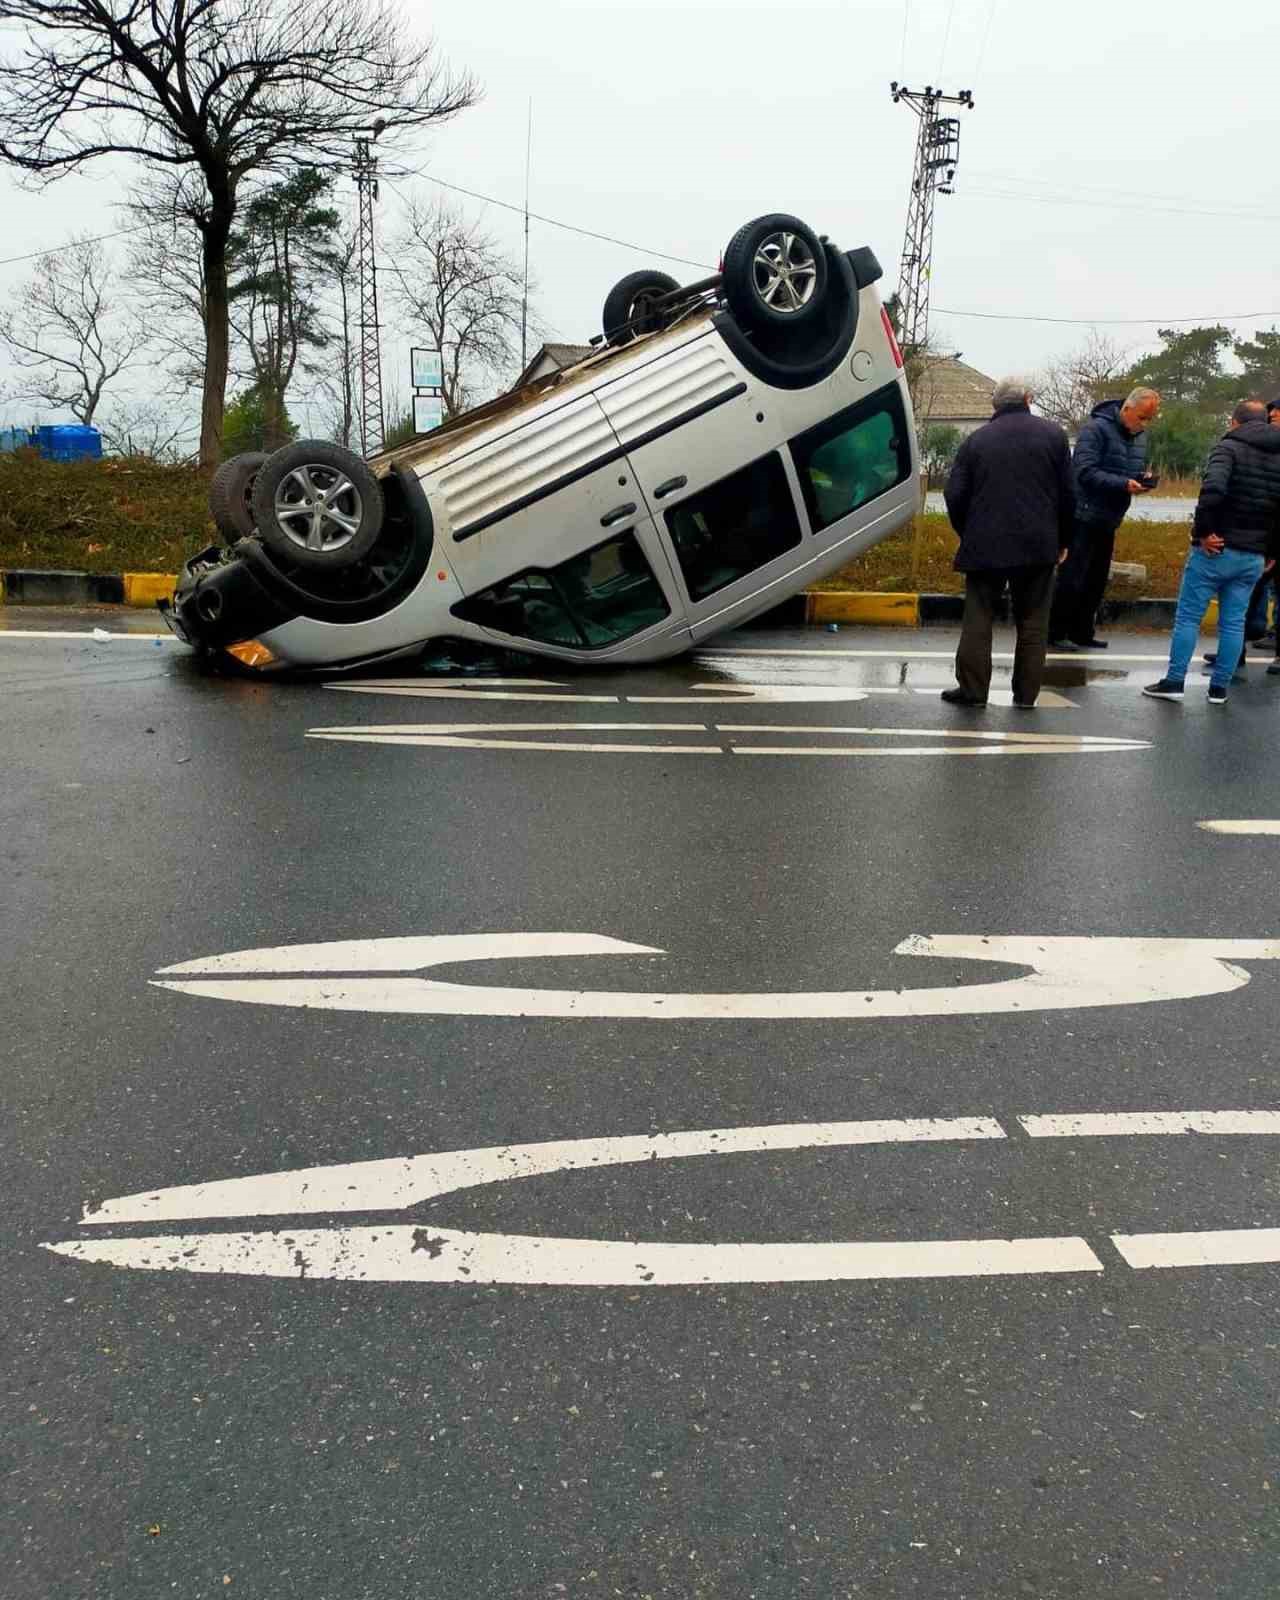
(1110, 467)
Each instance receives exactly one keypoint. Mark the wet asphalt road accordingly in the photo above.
(1081, 1433)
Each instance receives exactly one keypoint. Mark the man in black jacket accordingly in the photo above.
(1110, 468)
(1010, 499)
(1235, 539)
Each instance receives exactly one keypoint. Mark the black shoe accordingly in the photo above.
(1240, 675)
(1166, 689)
(1090, 644)
(1024, 705)
(1217, 696)
(957, 697)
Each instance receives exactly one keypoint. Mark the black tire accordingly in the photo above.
(231, 495)
(631, 301)
(775, 273)
(317, 536)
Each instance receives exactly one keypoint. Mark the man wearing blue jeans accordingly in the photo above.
(1235, 539)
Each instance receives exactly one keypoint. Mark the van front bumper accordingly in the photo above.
(219, 601)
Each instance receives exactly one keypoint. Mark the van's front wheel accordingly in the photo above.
(317, 505)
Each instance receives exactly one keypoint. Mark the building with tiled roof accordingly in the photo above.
(949, 392)
(552, 358)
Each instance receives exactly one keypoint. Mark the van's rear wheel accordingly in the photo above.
(632, 300)
(318, 505)
(231, 495)
(775, 273)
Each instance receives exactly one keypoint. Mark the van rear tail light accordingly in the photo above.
(891, 337)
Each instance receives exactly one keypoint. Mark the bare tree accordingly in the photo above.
(231, 88)
(166, 272)
(149, 428)
(455, 282)
(1068, 389)
(68, 334)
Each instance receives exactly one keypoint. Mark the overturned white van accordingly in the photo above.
(728, 443)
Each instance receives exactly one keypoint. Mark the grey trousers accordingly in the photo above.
(1031, 590)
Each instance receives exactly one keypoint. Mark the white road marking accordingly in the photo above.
(1048, 700)
(406, 1254)
(404, 1181)
(1220, 1247)
(529, 689)
(476, 689)
(479, 736)
(1225, 825)
(1109, 1124)
(1085, 658)
(411, 1254)
(85, 633)
(1066, 974)
(507, 736)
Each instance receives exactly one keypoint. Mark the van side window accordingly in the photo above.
(593, 599)
(852, 457)
(733, 527)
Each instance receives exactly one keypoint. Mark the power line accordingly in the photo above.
(1087, 322)
(982, 48)
(569, 227)
(994, 175)
(1051, 199)
(554, 222)
(946, 37)
(57, 249)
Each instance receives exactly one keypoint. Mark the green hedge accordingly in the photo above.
(118, 515)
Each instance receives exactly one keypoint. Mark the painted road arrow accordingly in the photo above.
(380, 975)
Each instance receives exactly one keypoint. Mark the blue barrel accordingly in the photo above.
(68, 442)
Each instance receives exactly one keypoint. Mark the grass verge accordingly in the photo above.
(126, 515)
(138, 516)
(919, 560)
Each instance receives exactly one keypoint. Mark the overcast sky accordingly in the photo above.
(1119, 163)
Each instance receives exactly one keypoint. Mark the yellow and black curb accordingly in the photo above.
(827, 606)
(817, 608)
(24, 586)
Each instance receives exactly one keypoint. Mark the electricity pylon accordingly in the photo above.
(937, 156)
(372, 422)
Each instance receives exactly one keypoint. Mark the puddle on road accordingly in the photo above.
(905, 672)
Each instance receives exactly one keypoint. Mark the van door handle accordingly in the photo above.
(617, 514)
(669, 487)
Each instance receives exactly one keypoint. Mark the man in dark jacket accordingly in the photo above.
(1257, 627)
(1010, 499)
(1235, 538)
(1110, 468)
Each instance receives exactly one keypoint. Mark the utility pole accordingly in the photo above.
(372, 422)
(937, 156)
(524, 303)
